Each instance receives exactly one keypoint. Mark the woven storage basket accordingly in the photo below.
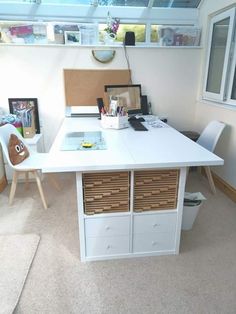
(106, 192)
(155, 190)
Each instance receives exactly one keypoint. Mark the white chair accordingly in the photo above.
(208, 139)
(33, 164)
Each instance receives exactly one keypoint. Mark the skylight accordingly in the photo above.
(126, 3)
(176, 3)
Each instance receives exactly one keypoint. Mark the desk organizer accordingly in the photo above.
(117, 122)
(106, 192)
(155, 190)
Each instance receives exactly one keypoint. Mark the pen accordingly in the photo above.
(117, 110)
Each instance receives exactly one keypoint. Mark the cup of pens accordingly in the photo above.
(116, 117)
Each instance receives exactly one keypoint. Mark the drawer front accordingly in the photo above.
(155, 223)
(106, 227)
(153, 242)
(107, 246)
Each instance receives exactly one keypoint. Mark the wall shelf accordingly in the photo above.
(99, 46)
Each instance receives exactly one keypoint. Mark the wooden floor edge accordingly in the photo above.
(225, 187)
(3, 183)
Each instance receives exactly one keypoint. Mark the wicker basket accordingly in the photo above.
(155, 190)
(106, 192)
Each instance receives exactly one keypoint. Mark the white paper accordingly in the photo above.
(198, 196)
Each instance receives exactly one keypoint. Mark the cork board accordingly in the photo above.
(83, 87)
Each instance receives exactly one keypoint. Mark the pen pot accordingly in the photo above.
(114, 122)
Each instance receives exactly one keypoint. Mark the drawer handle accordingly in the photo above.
(154, 243)
(108, 247)
(107, 228)
(155, 225)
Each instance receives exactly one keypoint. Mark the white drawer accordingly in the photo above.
(108, 226)
(152, 242)
(155, 223)
(107, 246)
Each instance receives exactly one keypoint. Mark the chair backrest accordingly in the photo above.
(210, 135)
(5, 133)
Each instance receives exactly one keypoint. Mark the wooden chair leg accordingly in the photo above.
(38, 181)
(54, 181)
(210, 179)
(13, 186)
(27, 180)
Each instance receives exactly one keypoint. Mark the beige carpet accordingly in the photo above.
(16, 255)
(200, 280)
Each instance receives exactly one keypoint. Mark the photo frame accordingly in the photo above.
(72, 37)
(179, 36)
(19, 105)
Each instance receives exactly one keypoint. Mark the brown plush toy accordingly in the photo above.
(17, 150)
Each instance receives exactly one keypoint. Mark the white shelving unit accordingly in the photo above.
(129, 234)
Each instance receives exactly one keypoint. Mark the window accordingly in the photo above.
(220, 76)
(138, 29)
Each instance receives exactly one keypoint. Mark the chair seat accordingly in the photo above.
(208, 139)
(34, 161)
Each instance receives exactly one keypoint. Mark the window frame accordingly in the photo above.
(224, 88)
(233, 71)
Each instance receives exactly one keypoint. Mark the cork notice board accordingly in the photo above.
(83, 87)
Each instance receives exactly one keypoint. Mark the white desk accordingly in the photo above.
(130, 233)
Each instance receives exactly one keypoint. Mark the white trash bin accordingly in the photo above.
(192, 203)
(189, 215)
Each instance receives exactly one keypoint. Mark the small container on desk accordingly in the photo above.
(114, 122)
(28, 132)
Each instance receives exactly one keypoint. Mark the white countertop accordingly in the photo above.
(127, 149)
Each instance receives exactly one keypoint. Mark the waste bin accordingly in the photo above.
(192, 203)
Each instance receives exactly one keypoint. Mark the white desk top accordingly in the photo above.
(127, 149)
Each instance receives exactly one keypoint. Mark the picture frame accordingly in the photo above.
(18, 105)
(179, 36)
(72, 37)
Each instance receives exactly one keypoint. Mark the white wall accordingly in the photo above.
(169, 77)
(206, 111)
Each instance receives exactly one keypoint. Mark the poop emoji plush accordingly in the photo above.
(17, 150)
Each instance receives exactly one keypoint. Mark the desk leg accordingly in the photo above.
(80, 207)
(182, 182)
